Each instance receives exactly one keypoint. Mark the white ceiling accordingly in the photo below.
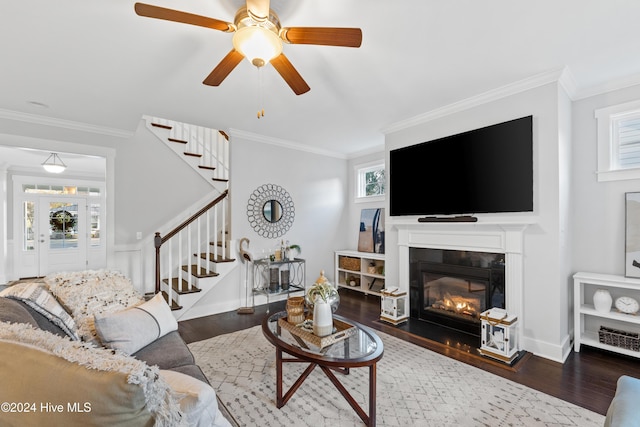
(97, 62)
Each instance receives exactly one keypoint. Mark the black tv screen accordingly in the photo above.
(487, 170)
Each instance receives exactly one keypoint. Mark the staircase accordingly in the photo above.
(193, 257)
(205, 150)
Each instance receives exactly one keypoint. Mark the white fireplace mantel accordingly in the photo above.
(495, 236)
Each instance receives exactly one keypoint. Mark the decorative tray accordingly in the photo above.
(343, 331)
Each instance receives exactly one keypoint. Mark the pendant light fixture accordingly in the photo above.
(54, 164)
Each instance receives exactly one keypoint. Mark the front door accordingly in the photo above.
(62, 234)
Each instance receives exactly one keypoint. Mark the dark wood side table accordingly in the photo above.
(363, 349)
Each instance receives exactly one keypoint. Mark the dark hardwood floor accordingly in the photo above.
(587, 379)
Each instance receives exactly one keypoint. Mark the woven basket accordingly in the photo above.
(622, 339)
(348, 263)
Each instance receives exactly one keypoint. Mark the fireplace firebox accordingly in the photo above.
(451, 288)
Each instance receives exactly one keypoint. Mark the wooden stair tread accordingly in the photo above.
(180, 141)
(203, 271)
(175, 285)
(213, 258)
(174, 306)
(186, 153)
(158, 125)
(207, 167)
(220, 179)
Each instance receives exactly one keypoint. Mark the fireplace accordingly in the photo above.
(490, 236)
(450, 288)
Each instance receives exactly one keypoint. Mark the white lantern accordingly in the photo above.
(394, 306)
(499, 335)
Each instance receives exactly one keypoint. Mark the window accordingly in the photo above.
(28, 209)
(619, 142)
(95, 224)
(60, 189)
(370, 181)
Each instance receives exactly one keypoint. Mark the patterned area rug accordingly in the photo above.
(416, 387)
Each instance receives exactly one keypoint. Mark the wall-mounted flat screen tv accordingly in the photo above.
(487, 170)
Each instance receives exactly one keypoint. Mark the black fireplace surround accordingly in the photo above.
(450, 288)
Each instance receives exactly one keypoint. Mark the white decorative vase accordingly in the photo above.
(602, 301)
(322, 318)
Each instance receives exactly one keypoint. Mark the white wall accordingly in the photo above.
(153, 185)
(353, 224)
(546, 290)
(599, 221)
(318, 186)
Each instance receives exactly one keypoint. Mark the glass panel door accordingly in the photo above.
(63, 234)
(63, 225)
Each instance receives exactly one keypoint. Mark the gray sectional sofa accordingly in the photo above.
(87, 349)
(168, 352)
(623, 410)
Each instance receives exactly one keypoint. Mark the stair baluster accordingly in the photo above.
(208, 147)
(209, 214)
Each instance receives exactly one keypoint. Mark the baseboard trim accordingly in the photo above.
(555, 352)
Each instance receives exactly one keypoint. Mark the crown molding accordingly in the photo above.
(373, 150)
(610, 86)
(63, 124)
(568, 82)
(283, 143)
(561, 74)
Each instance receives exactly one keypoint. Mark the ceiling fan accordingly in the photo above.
(258, 36)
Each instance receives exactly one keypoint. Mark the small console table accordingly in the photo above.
(272, 278)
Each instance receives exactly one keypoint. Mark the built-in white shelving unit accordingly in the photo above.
(362, 271)
(587, 320)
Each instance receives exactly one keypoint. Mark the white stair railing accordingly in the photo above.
(190, 239)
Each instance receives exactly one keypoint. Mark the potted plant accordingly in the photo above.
(323, 297)
(292, 251)
(323, 291)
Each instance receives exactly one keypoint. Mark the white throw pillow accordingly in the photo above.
(197, 400)
(136, 327)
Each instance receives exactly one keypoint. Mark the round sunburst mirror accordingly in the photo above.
(270, 211)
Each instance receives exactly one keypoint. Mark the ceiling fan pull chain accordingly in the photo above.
(260, 98)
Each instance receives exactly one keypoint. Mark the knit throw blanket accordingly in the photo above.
(160, 400)
(87, 293)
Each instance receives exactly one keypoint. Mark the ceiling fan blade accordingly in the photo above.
(327, 36)
(223, 69)
(157, 12)
(290, 74)
(259, 9)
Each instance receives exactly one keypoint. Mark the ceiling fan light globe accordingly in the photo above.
(259, 45)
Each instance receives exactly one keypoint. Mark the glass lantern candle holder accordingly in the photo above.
(499, 335)
(394, 305)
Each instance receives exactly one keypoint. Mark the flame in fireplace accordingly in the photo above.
(458, 304)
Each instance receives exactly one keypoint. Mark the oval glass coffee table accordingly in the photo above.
(363, 348)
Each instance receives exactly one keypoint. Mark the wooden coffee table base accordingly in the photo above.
(281, 400)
